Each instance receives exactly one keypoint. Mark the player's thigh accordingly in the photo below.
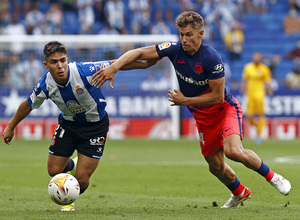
(233, 147)
(210, 140)
(56, 164)
(85, 167)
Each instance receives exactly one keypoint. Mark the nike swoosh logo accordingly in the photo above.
(227, 129)
(180, 62)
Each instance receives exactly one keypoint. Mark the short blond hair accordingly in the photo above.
(190, 18)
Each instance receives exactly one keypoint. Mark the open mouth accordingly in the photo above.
(61, 73)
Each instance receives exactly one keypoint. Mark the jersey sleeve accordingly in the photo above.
(88, 69)
(39, 94)
(214, 65)
(166, 49)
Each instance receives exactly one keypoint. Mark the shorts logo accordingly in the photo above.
(227, 129)
(164, 45)
(79, 90)
(199, 68)
(53, 141)
(97, 141)
(100, 149)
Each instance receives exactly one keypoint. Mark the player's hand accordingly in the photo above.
(8, 135)
(100, 77)
(176, 97)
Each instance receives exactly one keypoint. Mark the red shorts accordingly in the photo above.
(216, 123)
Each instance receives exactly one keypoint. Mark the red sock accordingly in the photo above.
(270, 175)
(238, 190)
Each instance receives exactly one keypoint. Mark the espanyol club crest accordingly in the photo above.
(199, 68)
(79, 90)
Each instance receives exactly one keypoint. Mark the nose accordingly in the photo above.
(183, 39)
(59, 64)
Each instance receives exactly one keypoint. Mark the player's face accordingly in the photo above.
(257, 57)
(57, 64)
(190, 39)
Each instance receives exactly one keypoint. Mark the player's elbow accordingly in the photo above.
(218, 100)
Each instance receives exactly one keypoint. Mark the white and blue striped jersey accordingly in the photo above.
(78, 100)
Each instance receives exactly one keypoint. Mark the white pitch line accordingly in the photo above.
(162, 163)
(288, 159)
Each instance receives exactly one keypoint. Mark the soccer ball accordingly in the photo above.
(63, 189)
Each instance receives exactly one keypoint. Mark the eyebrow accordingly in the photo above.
(58, 59)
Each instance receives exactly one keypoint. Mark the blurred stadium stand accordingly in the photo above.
(263, 32)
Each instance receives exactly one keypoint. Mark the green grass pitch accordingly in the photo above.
(148, 179)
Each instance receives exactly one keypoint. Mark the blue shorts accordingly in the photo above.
(87, 138)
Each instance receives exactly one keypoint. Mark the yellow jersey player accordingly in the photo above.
(255, 84)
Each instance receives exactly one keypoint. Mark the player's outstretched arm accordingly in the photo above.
(128, 58)
(23, 110)
(138, 64)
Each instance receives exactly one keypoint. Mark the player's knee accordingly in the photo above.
(233, 155)
(53, 171)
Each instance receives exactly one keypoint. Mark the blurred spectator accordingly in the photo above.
(291, 22)
(69, 5)
(21, 8)
(115, 14)
(99, 11)
(110, 49)
(33, 18)
(294, 5)
(86, 16)
(15, 30)
(292, 79)
(225, 15)
(164, 83)
(140, 16)
(15, 77)
(234, 41)
(259, 6)
(156, 83)
(234, 87)
(272, 61)
(149, 84)
(41, 29)
(5, 15)
(294, 54)
(170, 21)
(3, 66)
(54, 18)
(33, 70)
(244, 6)
(186, 5)
(160, 27)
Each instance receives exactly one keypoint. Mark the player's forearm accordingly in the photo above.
(23, 110)
(204, 100)
(139, 64)
(127, 59)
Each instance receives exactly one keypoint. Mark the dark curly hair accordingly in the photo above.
(54, 47)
